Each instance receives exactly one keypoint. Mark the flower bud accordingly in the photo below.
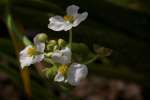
(41, 37)
(48, 54)
(55, 48)
(49, 47)
(52, 43)
(61, 42)
(102, 51)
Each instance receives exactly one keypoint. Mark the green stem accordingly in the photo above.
(70, 38)
(49, 61)
(91, 60)
(104, 60)
(13, 31)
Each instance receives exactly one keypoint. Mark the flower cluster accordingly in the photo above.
(57, 53)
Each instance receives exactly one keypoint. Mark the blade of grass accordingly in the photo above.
(17, 45)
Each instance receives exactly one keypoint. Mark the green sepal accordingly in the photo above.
(50, 72)
(26, 41)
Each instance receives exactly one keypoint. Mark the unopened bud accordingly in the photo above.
(41, 37)
(55, 48)
(49, 47)
(61, 42)
(102, 51)
(48, 54)
(52, 43)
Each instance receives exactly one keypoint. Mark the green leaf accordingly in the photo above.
(26, 41)
(81, 52)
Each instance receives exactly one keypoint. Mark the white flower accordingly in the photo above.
(76, 72)
(32, 54)
(72, 19)
(62, 56)
(73, 75)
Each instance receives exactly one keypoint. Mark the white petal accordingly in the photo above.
(59, 77)
(76, 73)
(79, 18)
(68, 26)
(24, 52)
(72, 10)
(57, 23)
(56, 56)
(25, 61)
(66, 58)
(56, 19)
(35, 40)
(40, 47)
(62, 56)
(66, 51)
(38, 58)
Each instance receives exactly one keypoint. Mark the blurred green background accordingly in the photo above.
(122, 25)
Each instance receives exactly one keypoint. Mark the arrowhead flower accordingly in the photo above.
(32, 54)
(73, 75)
(62, 56)
(72, 19)
(58, 53)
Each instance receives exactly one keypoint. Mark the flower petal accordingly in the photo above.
(24, 59)
(62, 56)
(38, 58)
(76, 73)
(72, 10)
(56, 19)
(59, 77)
(35, 40)
(40, 47)
(56, 56)
(57, 23)
(66, 54)
(68, 26)
(24, 52)
(79, 18)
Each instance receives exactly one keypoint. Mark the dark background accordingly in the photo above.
(122, 25)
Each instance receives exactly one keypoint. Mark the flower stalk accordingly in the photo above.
(24, 73)
(70, 38)
(49, 61)
(92, 60)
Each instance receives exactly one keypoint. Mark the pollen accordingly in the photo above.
(62, 69)
(68, 18)
(31, 51)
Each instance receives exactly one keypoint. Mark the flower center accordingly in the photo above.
(68, 18)
(31, 51)
(62, 69)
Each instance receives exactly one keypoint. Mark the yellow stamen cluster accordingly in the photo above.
(31, 51)
(68, 18)
(62, 69)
